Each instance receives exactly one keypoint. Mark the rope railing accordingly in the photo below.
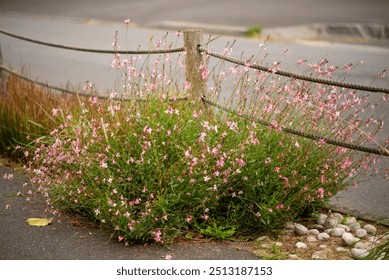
(291, 74)
(133, 52)
(382, 151)
(79, 93)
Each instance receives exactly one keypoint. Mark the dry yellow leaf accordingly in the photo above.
(38, 222)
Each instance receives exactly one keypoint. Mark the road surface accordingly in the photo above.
(267, 13)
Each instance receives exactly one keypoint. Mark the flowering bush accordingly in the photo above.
(157, 169)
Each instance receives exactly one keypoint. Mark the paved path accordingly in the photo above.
(58, 67)
(268, 13)
(71, 240)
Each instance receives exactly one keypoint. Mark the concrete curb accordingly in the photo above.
(317, 31)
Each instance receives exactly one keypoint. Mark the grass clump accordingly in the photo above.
(25, 114)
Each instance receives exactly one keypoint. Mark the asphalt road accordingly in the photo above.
(71, 239)
(268, 13)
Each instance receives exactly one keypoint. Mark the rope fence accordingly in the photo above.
(133, 52)
(382, 151)
(194, 59)
(293, 75)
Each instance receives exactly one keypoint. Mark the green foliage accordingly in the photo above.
(218, 232)
(253, 31)
(153, 171)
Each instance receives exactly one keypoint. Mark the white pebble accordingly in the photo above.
(345, 227)
(331, 222)
(337, 232)
(262, 238)
(354, 226)
(338, 216)
(293, 257)
(300, 229)
(313, 231)
(374, 239)
(322, 246)
(289, 226)
(370, 228)
(319, 227)
(362, 245)
(321, 219)
(360, 233)
(323, 236)
(319, 255)
(341, 249)
(311, 238)
(351, 220)
(301, 245)
(358, 253)
(348, 239)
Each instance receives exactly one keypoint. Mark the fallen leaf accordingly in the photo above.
(39, 222)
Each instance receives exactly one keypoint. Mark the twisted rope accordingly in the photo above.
(45, 85)
(293, 75)
(173, 50)
(382, 151)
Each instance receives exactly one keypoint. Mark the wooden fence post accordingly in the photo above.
(193, 38)
(3, 74)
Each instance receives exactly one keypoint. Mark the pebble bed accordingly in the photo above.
(356, 237)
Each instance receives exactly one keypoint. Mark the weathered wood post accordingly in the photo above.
(193, 61)
(3, 74)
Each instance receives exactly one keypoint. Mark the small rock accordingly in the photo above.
(288, 232)
(338, 216)
(293, 257)
(362, 245)
(331, 222)
(341, 249)
(289, 226)
(345, 227)
(300, 229)
(323, 236)
(301, 245)
(354, 226)
(358, 253)
(313, 231)
(351, 220)
(370, 229)
(262, 238)
(321, 219)
(279, 244)
(319, 255)
(360, 233)
(348, 239)
(311, 238)
(328, 231)
(374, 239)
(322, 246)
(319, 227)
(337, 232)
